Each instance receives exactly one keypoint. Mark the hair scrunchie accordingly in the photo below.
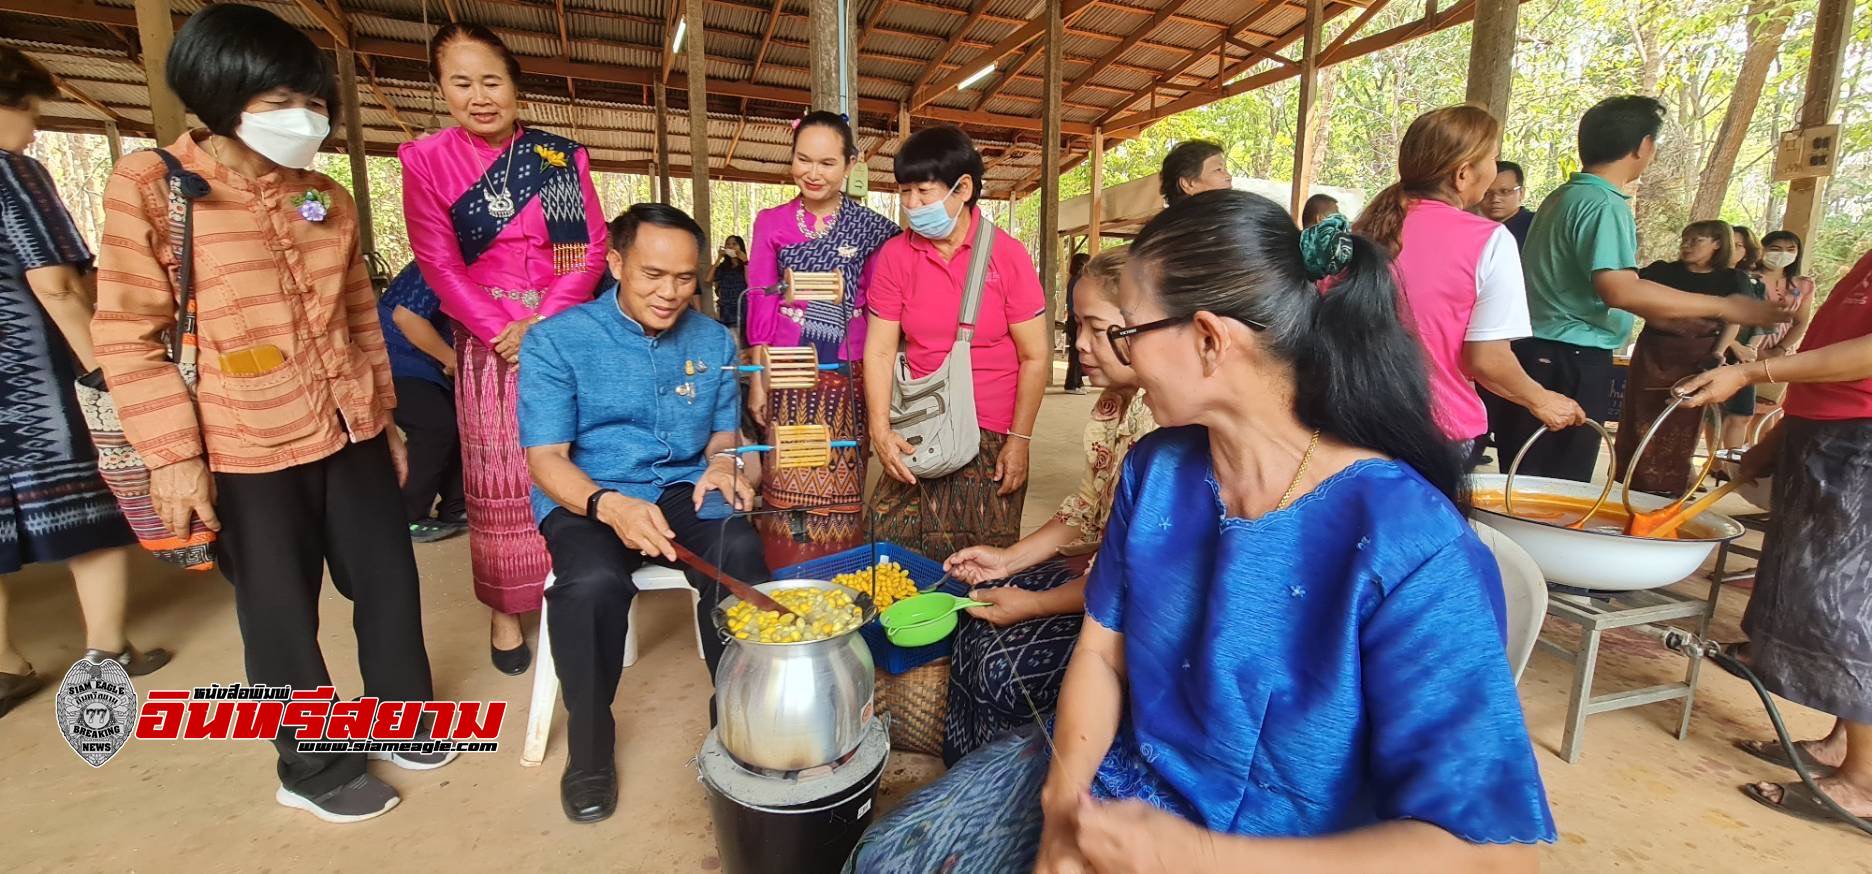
(1326, 248)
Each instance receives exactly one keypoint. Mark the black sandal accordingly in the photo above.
(15, 688)
(512, 662)
(1796, 800)
(1772, 752)
(135, 663)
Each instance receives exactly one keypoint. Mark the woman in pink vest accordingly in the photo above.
(1460, 273)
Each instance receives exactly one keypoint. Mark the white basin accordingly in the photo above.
(1603, 560)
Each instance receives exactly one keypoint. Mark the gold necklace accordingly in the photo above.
(1287, 496)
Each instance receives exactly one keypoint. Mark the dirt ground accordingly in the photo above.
(1639, 800)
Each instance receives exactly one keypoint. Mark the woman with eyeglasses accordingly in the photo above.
(916, 298)
(508, 230)
(1667, 350)
(1293, 655)
(1033, 593)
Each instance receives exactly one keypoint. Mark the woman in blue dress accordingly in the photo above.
(1295, 657)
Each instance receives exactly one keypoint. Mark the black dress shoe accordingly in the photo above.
(512, 661)
(588, 794)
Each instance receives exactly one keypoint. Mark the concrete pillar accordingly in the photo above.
(1491, 54)
(662, 140)
(156, 31)
(352, 112)
(115, 140)
(1832, 27)
(833, 57)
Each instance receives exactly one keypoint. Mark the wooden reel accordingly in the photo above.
(785, 367)
(802, 446)
(824, 287)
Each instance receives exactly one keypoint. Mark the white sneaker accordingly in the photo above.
(415, 761)
(363, 798)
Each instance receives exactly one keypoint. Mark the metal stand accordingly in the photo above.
(1753, 522)
(1607, 611)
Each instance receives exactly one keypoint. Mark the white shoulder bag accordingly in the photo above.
(935, 413)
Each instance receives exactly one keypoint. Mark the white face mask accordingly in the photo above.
(287, 137)
(1778, 260)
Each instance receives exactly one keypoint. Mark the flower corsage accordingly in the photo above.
(313, 205)
(551, 157)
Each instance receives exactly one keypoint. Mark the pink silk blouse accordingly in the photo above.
(437, 171)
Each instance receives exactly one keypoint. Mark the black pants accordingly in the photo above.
(1579, 372)
(1075, 375)
(279, 533)
(426, 413)
(591, 596)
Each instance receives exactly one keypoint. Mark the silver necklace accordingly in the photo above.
(825, 224)
(500, 204)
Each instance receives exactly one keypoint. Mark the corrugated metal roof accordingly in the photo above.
(612, 115)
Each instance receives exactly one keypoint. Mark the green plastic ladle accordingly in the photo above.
(923, 619)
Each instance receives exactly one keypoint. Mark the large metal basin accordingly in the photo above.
(1602, 560)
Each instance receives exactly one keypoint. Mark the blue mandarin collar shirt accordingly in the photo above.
(638, 410)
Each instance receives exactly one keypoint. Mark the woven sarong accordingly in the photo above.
(508, 554)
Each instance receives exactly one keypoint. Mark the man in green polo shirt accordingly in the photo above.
(1581, 260)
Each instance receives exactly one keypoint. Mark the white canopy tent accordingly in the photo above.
(1124, 208)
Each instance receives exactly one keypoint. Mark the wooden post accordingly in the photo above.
(1098, 189)
(1832, 27)
(1309, 80)
(662, 140)
(832, 55)
(353, 112)
(155, 30)
(114, 139)
(1050, 172)
(698, 134)
(903, 133)
(1491, 54)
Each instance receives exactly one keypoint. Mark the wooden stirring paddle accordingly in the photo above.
(1665, 522)
(740, 589)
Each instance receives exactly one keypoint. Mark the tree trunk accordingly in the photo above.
(1768, 22)
(1317, 129)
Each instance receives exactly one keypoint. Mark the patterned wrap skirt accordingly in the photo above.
(505, 547)
(937, 517)
(54, 511)
(825, 504)
(1000, 676)
(1809, 621)
(1658, 361)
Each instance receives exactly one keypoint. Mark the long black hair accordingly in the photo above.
(1792, 271)
(1359, 373)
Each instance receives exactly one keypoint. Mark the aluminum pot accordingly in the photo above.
(793, 706)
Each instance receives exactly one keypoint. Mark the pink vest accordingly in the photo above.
(1436, 272)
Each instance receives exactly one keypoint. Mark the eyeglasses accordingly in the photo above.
(1120, 337)
(1501, 192)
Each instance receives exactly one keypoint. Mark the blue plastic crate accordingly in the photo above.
(893, 659)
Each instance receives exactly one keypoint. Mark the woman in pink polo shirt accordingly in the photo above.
(915, 298)
(1459, 273)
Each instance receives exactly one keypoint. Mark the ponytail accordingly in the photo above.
(1359, 373)
(1382, 220)
(1435, 147)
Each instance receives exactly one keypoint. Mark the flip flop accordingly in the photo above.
(1773, 753)
(1796, 800)
(15, 688)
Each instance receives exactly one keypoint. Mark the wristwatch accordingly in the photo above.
(591, 503)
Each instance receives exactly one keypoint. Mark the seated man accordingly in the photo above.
(627, 404)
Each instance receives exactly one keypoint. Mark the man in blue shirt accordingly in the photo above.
(417, 337)
(628, 405)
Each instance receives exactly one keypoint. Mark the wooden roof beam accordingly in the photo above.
(1033, 52)
(1070, 9)
(370, 77)
(1246, 22)
(109, 114)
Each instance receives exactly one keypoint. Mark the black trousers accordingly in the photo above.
(279, 533)
(426, 413)
(1579, 372)
(1075, 375)
(591, 596)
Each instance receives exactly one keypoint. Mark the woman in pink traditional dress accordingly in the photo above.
(508, 230)
(820, 231)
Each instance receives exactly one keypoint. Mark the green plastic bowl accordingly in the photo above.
(923, 619)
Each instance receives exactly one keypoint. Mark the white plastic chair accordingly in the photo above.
(1524, 588)
(649, 578)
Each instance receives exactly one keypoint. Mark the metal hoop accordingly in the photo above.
(1513, 468)
(1712, 435)
(1767, 421)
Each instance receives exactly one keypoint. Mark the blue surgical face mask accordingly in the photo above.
(932, 220)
